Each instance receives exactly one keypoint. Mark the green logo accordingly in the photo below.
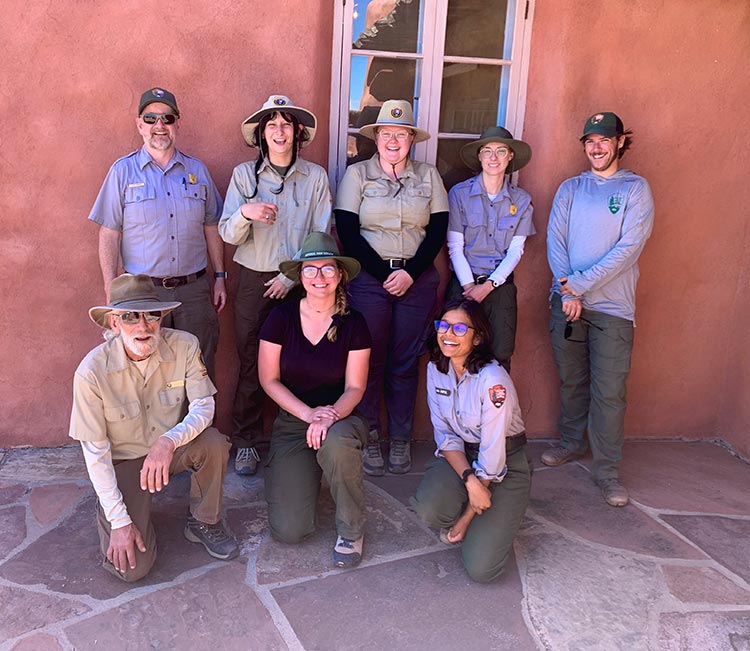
(615, 203)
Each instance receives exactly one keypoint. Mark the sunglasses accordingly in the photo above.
(569, 330)
(459, 329)
(131, 318)
(153, 118)
(310, 273)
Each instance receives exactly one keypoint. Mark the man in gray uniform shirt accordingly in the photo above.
(598, 226)
(158, 210)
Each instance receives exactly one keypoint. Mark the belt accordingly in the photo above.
(483, 278)
(170, 282)
(396, 263)
(512, 443)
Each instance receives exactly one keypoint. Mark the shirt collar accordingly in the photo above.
(300, 165)
(476, 187)
(144, 158)
(375, 171)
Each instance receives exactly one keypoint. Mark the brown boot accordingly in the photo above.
(559, 455)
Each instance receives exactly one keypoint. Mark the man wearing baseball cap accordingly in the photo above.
(142, 408)
(598, 226)
(158, 213)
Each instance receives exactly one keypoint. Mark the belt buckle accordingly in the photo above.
(396, 263)
(481, 279)
(167, 283)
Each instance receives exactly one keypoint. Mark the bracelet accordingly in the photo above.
(467, 473)
(221, 274)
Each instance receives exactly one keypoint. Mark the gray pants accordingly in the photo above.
(593, 361)
(293, 472)
(441, 499)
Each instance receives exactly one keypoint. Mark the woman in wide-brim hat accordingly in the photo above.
(272, 203)
(490, 219)
(313, 361)
(391, 215)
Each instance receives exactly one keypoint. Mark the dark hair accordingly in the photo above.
(628, 141)
(299, 136)
(482, 354)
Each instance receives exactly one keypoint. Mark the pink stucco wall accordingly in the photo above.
(675, 72)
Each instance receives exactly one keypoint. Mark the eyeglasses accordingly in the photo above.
(131, 318)
(400, 136)
(486, 152)
(310, 272)
(153, 118)
(459, 329)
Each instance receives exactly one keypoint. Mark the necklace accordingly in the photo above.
(323, 311)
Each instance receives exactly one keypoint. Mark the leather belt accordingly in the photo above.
(396, 263)
(170, 282)
(512, 443)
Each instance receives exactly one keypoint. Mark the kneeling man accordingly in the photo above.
(142, 409)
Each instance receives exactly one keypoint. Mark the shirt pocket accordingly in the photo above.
(172, 397)
(121, 413)
(139, 202)
(416, 208)
(194, 200)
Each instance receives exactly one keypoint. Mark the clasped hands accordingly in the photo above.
(320, 419)
(572, 305)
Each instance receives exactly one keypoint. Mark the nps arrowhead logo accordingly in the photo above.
(615, 203)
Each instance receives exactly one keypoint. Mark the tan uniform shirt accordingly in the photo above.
(113, 401)
(393, 224)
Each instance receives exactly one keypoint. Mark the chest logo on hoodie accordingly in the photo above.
(615, 203)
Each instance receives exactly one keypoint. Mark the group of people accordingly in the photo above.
(326, 336)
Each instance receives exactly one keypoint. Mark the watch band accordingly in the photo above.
(467, 473)
(221, 274)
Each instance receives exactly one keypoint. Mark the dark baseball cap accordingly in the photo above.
(158, 95)
(603, 124)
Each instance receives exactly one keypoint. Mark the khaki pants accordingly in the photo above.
(206, 455)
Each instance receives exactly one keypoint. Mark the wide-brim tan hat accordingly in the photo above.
(395, 113)
(276, 104)
(135, 293)
(521, 151)
(319, 246)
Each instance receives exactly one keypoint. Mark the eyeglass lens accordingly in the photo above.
(486, 152)
(152, 118)
(459, 329)
(311, 272)
(131, 318)
(401, 136)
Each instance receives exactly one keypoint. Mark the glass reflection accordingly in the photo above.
(477, 28)
(449, 163)
(387, 25)
(473, 97)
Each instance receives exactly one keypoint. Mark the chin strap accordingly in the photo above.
(398, 180)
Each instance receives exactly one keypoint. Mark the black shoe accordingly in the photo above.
(213, 537)
(372, 456)
(399, 458)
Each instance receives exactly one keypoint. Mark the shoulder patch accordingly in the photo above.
(204, 371)
(442, 392)
(497, 395)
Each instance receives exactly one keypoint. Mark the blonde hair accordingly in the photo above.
(342, 303)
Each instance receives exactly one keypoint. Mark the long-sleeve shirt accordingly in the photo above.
(597, 229)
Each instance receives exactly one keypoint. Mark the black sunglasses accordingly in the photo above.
(569, 329)
(153, 118)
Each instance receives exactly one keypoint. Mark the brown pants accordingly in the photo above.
(206, 455)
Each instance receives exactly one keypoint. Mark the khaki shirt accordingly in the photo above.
(392, 224)
(112, 400)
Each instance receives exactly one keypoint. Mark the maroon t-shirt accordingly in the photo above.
(314, 373)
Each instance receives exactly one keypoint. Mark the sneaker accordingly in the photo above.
(399, 458)
(347, 553)
(372, 456)
(246, 461)
(559, 455)
(213, 537)
(614, 493)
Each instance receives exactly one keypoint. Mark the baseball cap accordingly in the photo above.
(158, 95)
(603, 124)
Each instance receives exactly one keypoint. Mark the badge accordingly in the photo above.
(513, 209)
(192, 179)
(136, 185)
(396, 112)
(497, 395)
(175, 383)
(615, 203)
(442, 392)
(596, 119)
(157, 92)
(280, 101)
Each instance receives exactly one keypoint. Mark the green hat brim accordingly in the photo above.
(290, 268)
(521, 153)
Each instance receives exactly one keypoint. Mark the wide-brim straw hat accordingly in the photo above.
(131, 293)
(319, 246)
(395, 113)
(277, 104)
(521, 151)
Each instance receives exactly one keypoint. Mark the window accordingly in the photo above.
(462, 63)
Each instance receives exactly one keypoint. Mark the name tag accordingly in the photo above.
(175, 383)
(442, 392)
(136, 185)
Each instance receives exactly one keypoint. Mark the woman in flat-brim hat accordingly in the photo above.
(490, 219)
(272, 203)
(391, 215)
(313, 361)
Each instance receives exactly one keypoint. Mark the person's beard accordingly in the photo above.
(143, 348)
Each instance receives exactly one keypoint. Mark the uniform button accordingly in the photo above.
(169, 194)
(122, 416)
(172, 259)
(172, 236)
(195, 194)
(148, 406)
(153, 429)
(490, 234)
(171, 216)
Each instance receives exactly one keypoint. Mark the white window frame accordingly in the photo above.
(432, 61)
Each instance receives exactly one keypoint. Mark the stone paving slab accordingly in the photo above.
(568, 497)
(24, 611)
(12, 528)
(422, 602)
(705, 631)
(49, 503)
(10, 493)
(38, 642)
(47, 465)
(703, 585)
(718, 536)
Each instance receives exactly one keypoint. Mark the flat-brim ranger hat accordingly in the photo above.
(134, 293)
(318, 246)
(521, 151)
(603, 124)
(395, 113)
(276, 104)
(158, 95)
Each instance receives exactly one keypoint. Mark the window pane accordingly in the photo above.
(389, 25)
(473, 97)
(477, 28)
(449, 163)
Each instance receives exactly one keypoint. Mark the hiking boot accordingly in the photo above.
(347, 553)
(213, 537)
(614, 493)
(246, 461)
(372, 456)
(559, 455)
(399, 458)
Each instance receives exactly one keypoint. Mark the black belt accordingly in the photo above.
(483, 278)
(512, 443)
(170, 282)
(395, 263)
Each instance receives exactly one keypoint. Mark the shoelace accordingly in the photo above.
(244, 454)
(213, 532)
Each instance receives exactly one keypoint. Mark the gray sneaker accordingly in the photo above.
(347, 553)
(372, 456)
(213, 537)
(246, 461)
(559, 455)
(399, 458)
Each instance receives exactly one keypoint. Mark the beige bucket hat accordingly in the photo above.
(395, 113)
(131, 293)
(274, 104)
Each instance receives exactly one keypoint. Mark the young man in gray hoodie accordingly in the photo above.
(598, 226)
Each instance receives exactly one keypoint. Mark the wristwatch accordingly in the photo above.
(495, 284)
(221, 274)
(467, 473)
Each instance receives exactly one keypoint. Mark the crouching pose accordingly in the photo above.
(313, 361)
(477, 488)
